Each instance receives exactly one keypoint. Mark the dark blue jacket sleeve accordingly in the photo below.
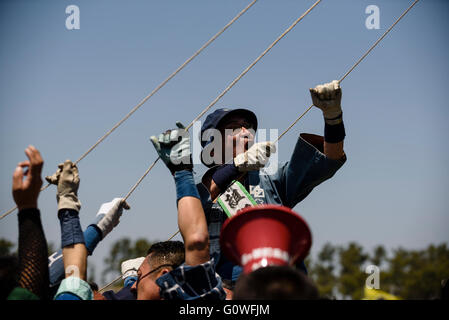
(307, 168)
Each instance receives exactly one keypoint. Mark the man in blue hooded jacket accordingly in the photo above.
(314, 160)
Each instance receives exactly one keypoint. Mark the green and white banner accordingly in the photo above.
(235, 198)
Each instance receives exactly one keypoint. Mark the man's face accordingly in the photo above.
(145, 286)
(238, 136)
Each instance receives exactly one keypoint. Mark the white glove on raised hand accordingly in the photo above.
(327, 97)
(130, 267)
(255, 157)
(109, 215)
(67, 179)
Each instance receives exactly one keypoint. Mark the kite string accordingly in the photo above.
(151, 94)
(354, 66)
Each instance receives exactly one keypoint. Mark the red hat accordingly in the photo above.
(265, 235)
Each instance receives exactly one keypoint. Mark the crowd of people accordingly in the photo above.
(195, 268)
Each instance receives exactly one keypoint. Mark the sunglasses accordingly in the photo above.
(139, 278)
(237, 128)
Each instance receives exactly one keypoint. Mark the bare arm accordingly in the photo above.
(75, 260)
(327, 97)
(191, 218)
(334, 151)
(74, 250)
(210, 185)
(193, 227)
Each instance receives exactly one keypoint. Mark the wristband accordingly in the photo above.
(224, 175)
(185, 185)
(334, 133)
(71, 232)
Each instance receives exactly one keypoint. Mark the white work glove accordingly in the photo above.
(255, 157)
(67, 179)
(109, 215)
(327, 97)
(130, 267)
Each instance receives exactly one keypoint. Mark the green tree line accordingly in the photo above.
(339, 272)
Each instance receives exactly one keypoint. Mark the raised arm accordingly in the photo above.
(191, 220)
(173, 147)
(33, 270)
(327, 97)
(74, 252)
(107, 218)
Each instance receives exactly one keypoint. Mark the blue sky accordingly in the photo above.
(61, 90)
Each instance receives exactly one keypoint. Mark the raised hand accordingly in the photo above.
(173, 146)
(27, 181)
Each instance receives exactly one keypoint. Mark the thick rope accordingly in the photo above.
(9, 211)
(119, 277)
(163, 83)
(341, 79)
(379, 40)
(354, 66)
(253, 64)
(229, 87)
(166, 80)
(110, 283)
(13, 209)
(308, 109)
(173, 235)
(225, 91)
